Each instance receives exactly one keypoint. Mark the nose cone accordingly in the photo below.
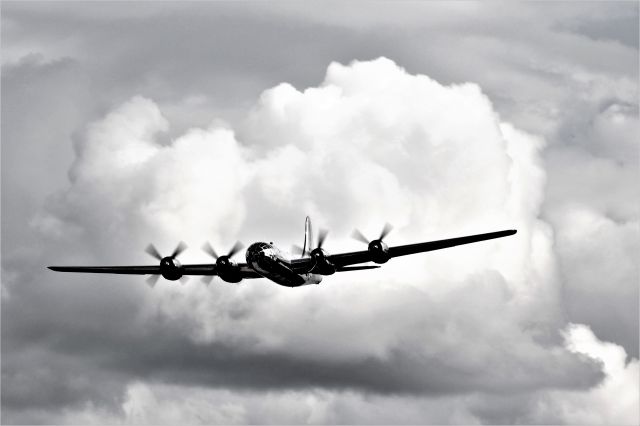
(255, 252)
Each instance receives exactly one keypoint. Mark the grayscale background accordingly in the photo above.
(130, 123)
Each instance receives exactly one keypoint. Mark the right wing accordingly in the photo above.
(342, 261)
(352, 258)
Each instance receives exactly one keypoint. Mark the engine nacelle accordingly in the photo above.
(379, 251)
(228, 270)
(170, 268)
(322, 265)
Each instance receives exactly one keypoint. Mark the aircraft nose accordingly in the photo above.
(254, 252)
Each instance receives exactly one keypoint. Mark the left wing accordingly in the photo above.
(133, 270)
(195, 269)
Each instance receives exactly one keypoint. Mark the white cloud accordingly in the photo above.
(371, 143)
(484, 318)
(614, 401)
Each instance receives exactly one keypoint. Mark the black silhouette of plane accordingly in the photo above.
(264, 260)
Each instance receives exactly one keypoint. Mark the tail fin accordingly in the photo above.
(308, 238)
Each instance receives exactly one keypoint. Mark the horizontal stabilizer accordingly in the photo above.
(356, 268)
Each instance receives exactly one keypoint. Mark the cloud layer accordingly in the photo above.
(168, 134)
(371, 143)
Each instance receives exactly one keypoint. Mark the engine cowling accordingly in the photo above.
(379, 251)
(228, 270)
(170, 268)
(322, 265)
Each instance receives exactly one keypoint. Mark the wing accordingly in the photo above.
(196, 269)
(342, 260)
(248, 272)
(133, 270)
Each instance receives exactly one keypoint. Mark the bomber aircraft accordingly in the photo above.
(264, 260)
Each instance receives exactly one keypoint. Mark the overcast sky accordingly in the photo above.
(129, 123)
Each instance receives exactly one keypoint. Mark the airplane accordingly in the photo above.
(264, 260)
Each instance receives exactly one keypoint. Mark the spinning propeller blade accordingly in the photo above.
(235, 249)
(179, 249)
(152, 280)
(153, 251)
(357, 235)
(207, 248)
(385, 231)
(322, 235)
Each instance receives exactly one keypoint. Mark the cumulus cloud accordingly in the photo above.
(476, 323)
(613, 401)
(371, 143)
(592, 204)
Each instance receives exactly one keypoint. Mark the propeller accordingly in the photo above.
(322, 235)
(152, 280)
(321, 263)
(357, 235)
(206, 279)
(179, 249)
(226, 269)
(153, 251)
(378, 249)
(385, 231)
(208, 248)
(170, 268)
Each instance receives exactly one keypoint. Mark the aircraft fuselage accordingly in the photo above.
(268, 261)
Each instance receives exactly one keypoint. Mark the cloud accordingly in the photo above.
(592, 204)
(600, 274)
(369, 144)
(570, 191)
(613, 401)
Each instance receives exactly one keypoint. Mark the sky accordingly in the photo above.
(128, 123)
